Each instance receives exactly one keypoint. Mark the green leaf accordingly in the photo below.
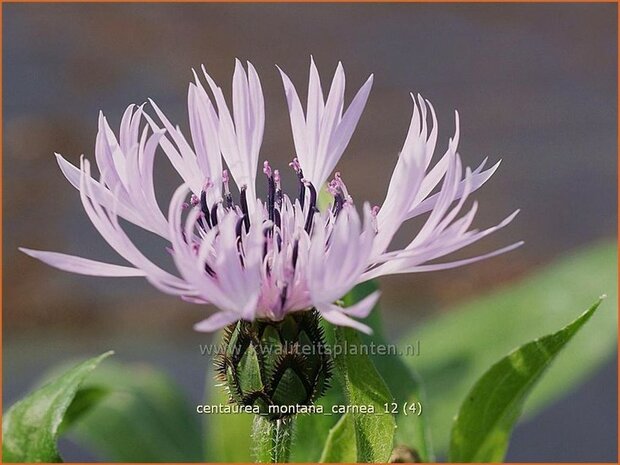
(363, 386)
(402, 380)
(482, 429)
(340, 446)
(144, 418)
(30, 428)
(457, 347)
(85, 399)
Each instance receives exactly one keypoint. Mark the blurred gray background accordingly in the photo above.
(535, 85)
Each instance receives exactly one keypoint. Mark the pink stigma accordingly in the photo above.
(267, 168)
(295, 165)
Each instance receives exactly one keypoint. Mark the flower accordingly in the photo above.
(263, 260)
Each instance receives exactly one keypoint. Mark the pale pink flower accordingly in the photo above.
(255, 259)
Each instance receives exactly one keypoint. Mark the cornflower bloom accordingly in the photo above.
(261, 260)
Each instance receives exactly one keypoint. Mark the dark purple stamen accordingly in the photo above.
(209, 270)
(244, 208)
(214, 215)
(238, 227)
(278, 206)
(238, 233)
(203, 202)
(228, 200)
(295, 253)
(204, 208)
(283, 296)
(271, 200)
(266, 238)
(240, 250)
(302, 190)
(338, 203)
(277, 218)
(311, 208)
(313, 196)
(279, 197)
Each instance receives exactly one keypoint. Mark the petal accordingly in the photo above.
(258, 108)
(479, 178)
(350, 120)
(332, 114)
(203, 126)
(183, 160)
(100, 193)
(315, 107)
(467, 261)
(106, 222)
(334, 315)
(322, 134)
(240, 136)
(241, 111)
(296, 114)
(363, 308)
(216, 321)
(81, 265)
(110, 160)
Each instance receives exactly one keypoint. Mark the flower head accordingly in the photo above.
(258, 259)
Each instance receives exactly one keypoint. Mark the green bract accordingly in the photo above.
(276, 366)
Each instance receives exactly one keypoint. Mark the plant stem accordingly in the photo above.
(272, 439)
